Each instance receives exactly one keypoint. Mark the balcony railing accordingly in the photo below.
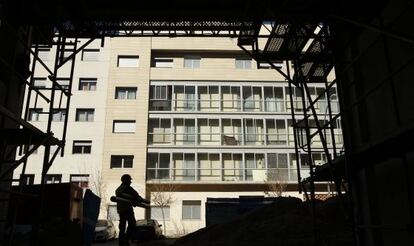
(223, 174)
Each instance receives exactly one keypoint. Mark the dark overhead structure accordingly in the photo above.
(368, 44)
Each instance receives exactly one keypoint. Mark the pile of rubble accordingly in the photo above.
(286, 222)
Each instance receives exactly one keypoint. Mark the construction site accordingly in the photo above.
(275, 122)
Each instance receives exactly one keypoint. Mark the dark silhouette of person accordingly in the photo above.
(125, 208)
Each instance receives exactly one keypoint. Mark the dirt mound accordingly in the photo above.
(286, 222)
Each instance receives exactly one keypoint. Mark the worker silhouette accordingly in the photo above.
(127, 198)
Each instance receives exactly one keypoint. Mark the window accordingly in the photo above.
(39, 82)
(163, 62)
(125, 92)
(189, 131)
(85, 114)
(81, 180)
(122, 161)
(243, 63)
(59, 115)
(43, 54)
(266, 65)
(53, 178)
(276, 131)
(90, 55)
(26, 148)
(82, 147)
(67, 53)
(27, 179)
(191, 210)
(192, 62)
(112, 213)
(160, 97)
(159, 131)
(63, 82)
(87, 84)
(158, 166)
(190, 101)
(34, 114)
(124, 126)
(156, 213)
(128, 61)
(274, 99)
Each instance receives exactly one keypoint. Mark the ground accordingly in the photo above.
(150, 243)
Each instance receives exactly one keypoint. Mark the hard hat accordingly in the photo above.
(126, 178)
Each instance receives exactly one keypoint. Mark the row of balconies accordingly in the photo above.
(227, 167)
(232, 132)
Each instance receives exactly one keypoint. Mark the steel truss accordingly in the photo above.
(305, 47)
(27, 137)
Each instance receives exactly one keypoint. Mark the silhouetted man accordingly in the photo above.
(125, 208)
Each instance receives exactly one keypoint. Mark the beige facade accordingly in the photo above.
(194, 114)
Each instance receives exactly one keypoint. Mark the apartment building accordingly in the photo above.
(82, 159)
(187, 118)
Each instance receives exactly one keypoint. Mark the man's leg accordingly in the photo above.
(131, 224)
(122, 226)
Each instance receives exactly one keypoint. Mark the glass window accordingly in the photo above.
(27, 179)
(112, 213)
(64, 83)
(82, 147)
(124, 126)
(122, 161)
(157, 213)
(43, 54)
(190, 98)
(191, 210)
(243, 63)
(192, 62)
(90, 55)
(128, 61)
(85, 114)
(126, 93)
(53, 178)
(34, 114)
(189, 131)
(163, 62)
(81, 180)
(59, 115)
(39, 82)
(87, 84)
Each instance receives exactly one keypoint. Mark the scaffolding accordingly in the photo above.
(309, 60)
(20, 135)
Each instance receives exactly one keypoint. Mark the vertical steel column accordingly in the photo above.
(292, 111)
(69, 95)
(36, 224)
(330, 119)
(302, 85)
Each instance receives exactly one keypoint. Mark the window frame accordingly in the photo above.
(80, 182)
(242, 61)
(89, 82)
(90, 50)
(114, 122)
(122, 157)
(56, 178)
(128, 90)
(191, 207)
(83, 148)
(119, 57)
(194, 61)
(87, 111)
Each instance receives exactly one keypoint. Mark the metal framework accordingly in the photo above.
(298, 43)
(305, 47)
(25, 136)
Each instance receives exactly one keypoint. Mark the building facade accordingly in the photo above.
(187, 118)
